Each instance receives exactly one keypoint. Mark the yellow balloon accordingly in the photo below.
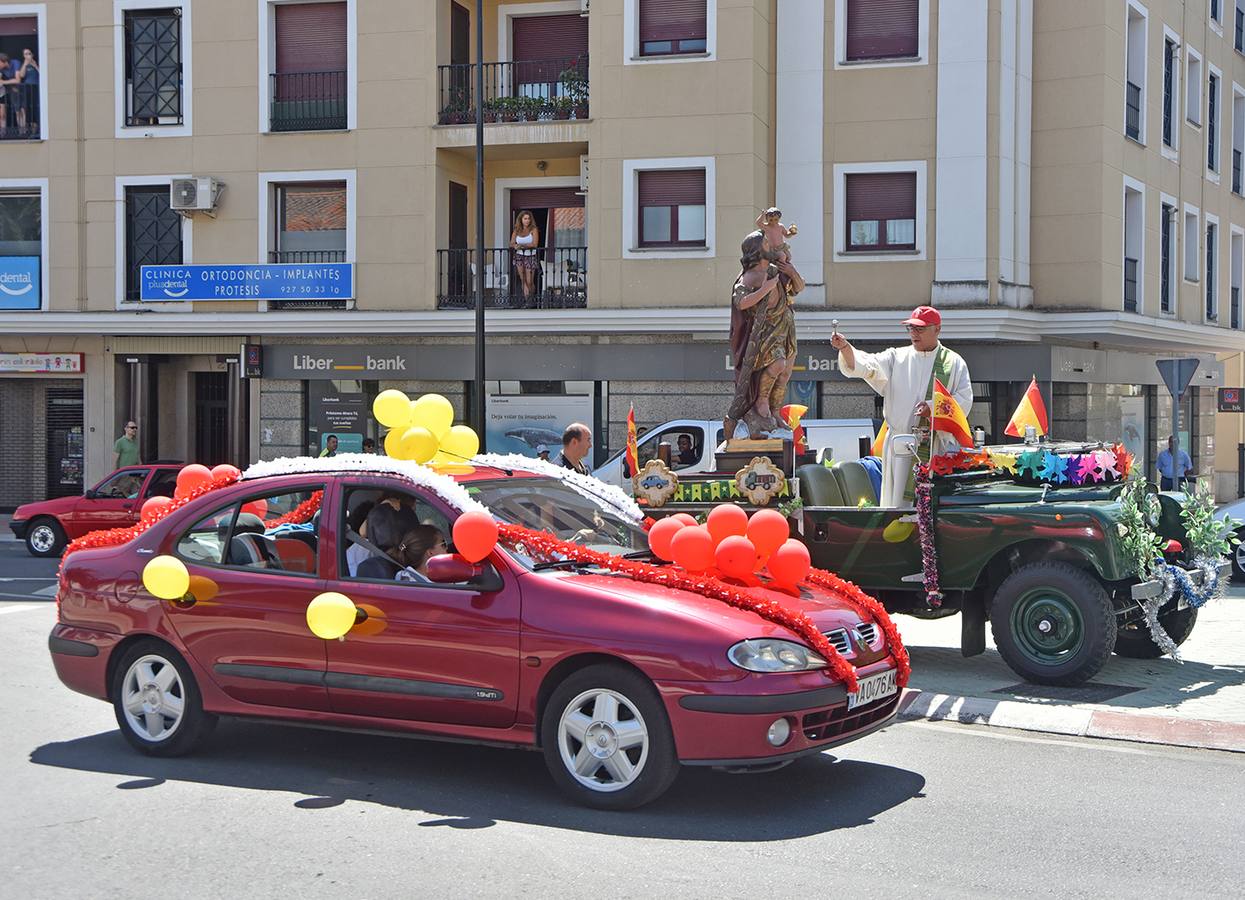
(461, 442)
(392, 408)
(434, 412)
(166, 577)
(393, 443)
(331, 615)
(418, 444)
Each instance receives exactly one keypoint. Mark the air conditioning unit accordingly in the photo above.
(191, 195)
(583, 174)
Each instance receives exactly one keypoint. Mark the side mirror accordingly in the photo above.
(91, 494)
(450, 568)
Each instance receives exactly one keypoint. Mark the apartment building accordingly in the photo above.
(1062, 178)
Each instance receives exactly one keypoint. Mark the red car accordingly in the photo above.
(617, 682)
(48, 525)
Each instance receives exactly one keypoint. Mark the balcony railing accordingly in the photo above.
(1236, 171)
(307, 101)
(560, 279)
(19, 112)
(1130, 285)
(1236, 305)
(524, 91)
(1132, 112)
(306, 256)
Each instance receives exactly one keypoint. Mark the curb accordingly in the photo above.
(1077, 722)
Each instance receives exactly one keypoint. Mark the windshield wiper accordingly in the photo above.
(639, 554)
(560, 564)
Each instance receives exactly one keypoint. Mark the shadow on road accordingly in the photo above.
(464, 786)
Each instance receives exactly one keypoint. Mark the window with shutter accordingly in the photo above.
(310, 222)
(882, 29)
(544, 47)
(153, 67)
(309, 84)
(880, 209)
(153, 233)
(669, 27)
(672, 208)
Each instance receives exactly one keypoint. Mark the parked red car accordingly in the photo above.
(617, 682)
(48, 525)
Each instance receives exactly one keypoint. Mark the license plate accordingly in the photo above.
(875, 687)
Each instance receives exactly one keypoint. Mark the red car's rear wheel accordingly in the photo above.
(157, 701)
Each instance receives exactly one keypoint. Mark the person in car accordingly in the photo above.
(384, 532)
(417, 546)
(357, 522)
(687, 456)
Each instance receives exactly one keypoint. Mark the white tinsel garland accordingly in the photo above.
(1174, 579)
(420, 476)
(585, 485)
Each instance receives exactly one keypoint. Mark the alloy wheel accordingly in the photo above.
(153, 698)
(603, 740)
(1240, 556)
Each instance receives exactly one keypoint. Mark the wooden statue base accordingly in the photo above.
(741, 451)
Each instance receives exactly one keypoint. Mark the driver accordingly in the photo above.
(417, 546)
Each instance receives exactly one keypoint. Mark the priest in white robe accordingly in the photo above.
(904, 377)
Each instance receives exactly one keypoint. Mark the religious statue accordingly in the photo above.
(763, 344)
(770, 224)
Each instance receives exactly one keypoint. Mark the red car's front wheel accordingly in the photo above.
(45, 537)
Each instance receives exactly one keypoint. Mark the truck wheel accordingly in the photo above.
(45, 537)
(1053, 623)
(1238, 557)
(1135, 641)
(607, 739)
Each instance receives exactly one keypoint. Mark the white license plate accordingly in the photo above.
(875, 687)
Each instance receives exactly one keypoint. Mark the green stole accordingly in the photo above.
(942, 372)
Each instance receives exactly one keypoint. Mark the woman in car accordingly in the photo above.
(417, 546)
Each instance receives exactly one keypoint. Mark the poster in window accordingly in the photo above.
(524, 423)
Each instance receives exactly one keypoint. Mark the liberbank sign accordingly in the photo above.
(310, 281)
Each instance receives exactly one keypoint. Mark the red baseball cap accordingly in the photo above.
(924, 315)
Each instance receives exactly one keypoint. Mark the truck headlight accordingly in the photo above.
(773, 655)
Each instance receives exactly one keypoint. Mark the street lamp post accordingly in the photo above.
(478, 395)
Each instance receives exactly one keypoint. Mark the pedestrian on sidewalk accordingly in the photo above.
(576, 442)
(330, 446)
(1174, 466)
(126, 447)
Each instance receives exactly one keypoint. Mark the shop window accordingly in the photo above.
(21, 250)
(672, 208)
(153, 233)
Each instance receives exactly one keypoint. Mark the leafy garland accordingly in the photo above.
(548, 546)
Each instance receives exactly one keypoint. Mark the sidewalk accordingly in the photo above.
(1200, 703)
(5, 533)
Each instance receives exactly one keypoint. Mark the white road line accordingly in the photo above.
(1080, 743)
(12, 609)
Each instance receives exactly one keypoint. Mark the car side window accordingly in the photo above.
(205, 540)
(163, 483)
(686, 445)
(123, 486)
(390, 534)
(273, 532)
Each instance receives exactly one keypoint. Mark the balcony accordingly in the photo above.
(525, 91)
(1132, 112)
(307, 101)
(1236, 291)
(19, 112)
(308, 257)
(1130, 285)
(561, 279)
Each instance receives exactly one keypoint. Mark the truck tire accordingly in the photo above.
(1135, 641)
(1053, 623)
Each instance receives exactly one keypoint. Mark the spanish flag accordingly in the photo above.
(633, 455)
(948, 417)
(791, 414)
(1031, 411)
(880, 441)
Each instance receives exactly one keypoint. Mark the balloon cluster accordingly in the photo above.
(734, 544)
(423, 430)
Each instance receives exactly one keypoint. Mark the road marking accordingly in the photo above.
(12, 609)
(1082, 743)
(28, 578)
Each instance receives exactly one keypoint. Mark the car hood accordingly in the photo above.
(827, 610)
(59, 506)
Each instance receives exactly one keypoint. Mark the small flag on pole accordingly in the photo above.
(791, 414)
(633, 454)
(1031, 411)
(948, 417)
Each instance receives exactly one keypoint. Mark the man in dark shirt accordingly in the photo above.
(687, 456)
(576, 442)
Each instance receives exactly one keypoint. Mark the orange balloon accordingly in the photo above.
(692, 548)
(203, 588)
(193, 476)
(257, 507)
(726, 520)
(790, 563)
(153, 505)
(736, 556)
(225, 469)
(767, 529)
(685, 518)
(660, 536)
(475, 535)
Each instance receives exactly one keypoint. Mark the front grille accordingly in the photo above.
(868, 632)
(829, 723)
(838, 640)
(867, 635)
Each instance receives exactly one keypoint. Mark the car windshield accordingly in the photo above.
(549, 505)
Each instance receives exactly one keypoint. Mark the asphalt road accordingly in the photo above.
(919, 810)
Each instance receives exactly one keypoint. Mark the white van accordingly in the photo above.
(829, 438)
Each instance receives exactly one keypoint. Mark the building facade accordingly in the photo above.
(1061, 178)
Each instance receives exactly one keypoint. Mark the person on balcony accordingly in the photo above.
(28, 97)
(524, 239)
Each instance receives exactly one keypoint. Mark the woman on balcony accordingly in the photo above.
(524, 239)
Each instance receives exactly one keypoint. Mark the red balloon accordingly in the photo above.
(660, 535)
(152, 506)
(692, 548)
(685, 518)
(257, 507)
(790, 563)
(475, 535)
(736, 556)
(193, 476)
(767, 529)
(726, 520)
(226, 470)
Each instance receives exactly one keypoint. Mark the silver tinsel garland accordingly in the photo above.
(1173, 579)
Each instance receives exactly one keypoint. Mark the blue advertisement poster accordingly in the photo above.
(310, 281)
(19, 282)
(528, 422)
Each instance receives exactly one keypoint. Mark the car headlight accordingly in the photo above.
(773, 655)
